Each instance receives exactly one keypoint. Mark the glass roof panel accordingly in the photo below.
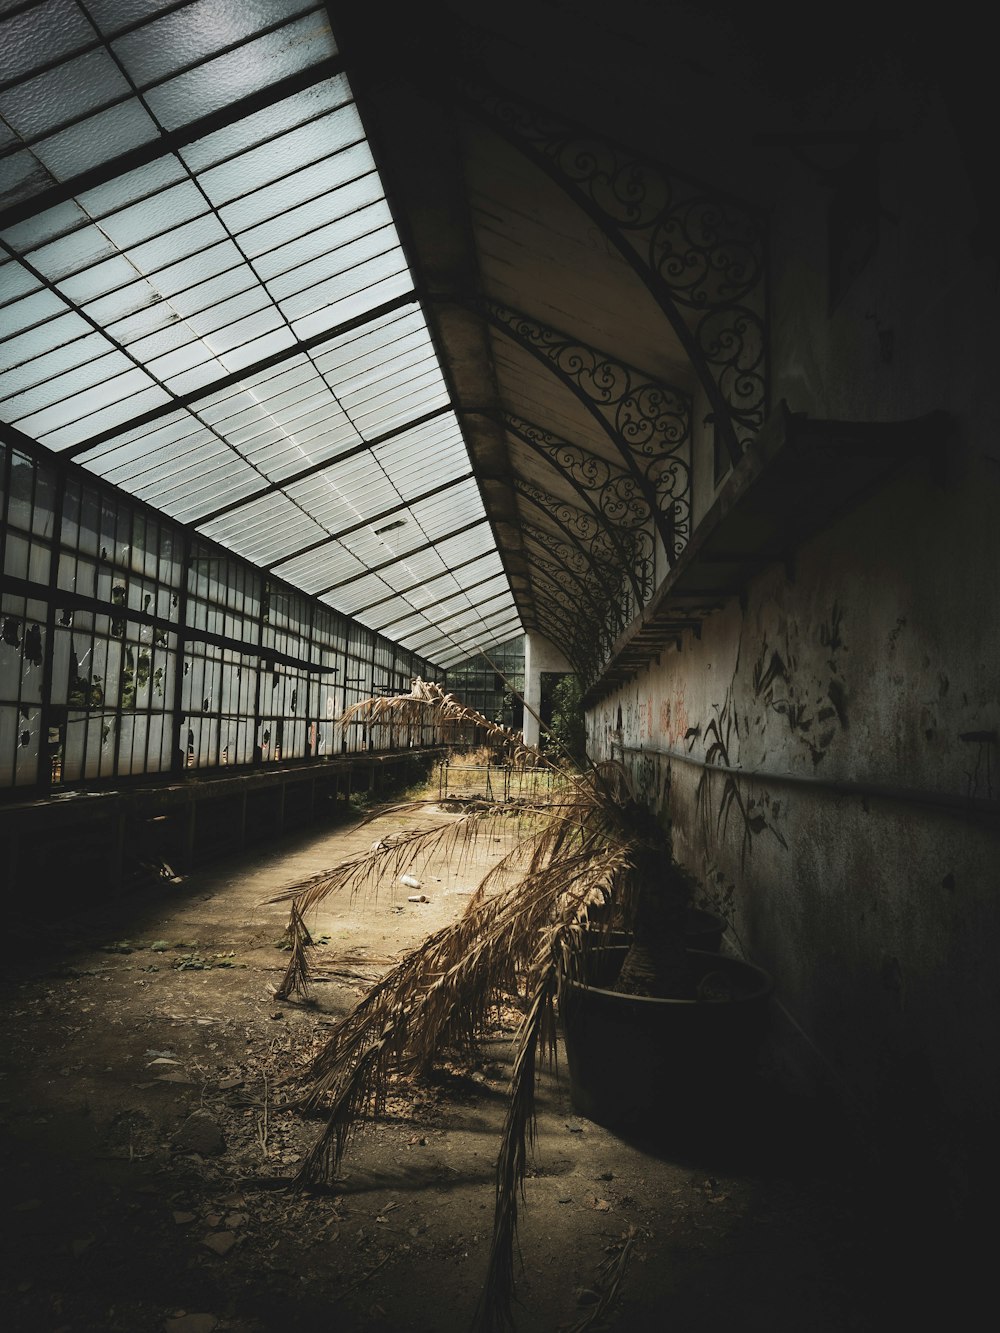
(97, 139)
(76, 88)
(301, 184)
(57, 387)
(112, 16)
(262, 530)
(15, 282)
(321, 568)
(65, 28)
(82, 351)
(196, 31)
(260, 126)
(105, 418)
(204, 289)
(131, 186)
(237, 73)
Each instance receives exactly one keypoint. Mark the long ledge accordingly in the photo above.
(793, 479)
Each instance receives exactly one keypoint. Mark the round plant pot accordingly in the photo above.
(702, 930)
(640, 1062)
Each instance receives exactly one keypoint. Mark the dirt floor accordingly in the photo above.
(124, 1213)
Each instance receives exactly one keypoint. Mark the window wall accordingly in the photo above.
(130, 648)
(493, 685)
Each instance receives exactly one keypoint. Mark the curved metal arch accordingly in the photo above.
(560, 577)
(585, 653)
(612, 612)
(566, 517)
(619, 505)
(646, 421)
(692, 247)
(564, 553)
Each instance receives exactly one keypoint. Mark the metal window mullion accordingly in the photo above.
(178, 757)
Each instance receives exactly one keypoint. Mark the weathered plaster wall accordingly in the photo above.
(857, 668)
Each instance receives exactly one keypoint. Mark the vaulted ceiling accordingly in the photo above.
(418, 307)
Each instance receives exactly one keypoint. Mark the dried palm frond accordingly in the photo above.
(611, 1275)
(586, 841)
(294, 982)
(494, 1310)
(428, 702)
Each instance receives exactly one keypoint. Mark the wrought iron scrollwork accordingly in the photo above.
(616, 493)
(700, 253)
(610, 559)
(611, 492)
(603, 587)
(586, 644)
(649, 423)
(582, 527)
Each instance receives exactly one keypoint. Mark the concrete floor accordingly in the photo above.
(121, 1024)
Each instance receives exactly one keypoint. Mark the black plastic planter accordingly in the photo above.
(636, 1062)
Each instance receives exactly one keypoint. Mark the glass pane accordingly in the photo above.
(21, 176)
(334, 299)
(15, 281)
(21, 46)
(179, 244)
(42, 368)
(265, 124)
(258, 350)
(98, 280)
(179, 203)
(64, 386)
(242, 72)
(95, 140)
(309, 183)
(350, 255)
(157, 322)
(132, 185)
(308, 217)
(195, 31)
(80, 86)
(42, 339)
(328, 316)
(226, 313)
(23, 236)
(185, 274)
(106, 419)
(87, 404)
(277, 158)
(32, 310)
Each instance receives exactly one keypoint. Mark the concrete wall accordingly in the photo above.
(855, 672)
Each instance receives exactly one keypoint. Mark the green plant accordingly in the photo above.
(584, 843)
(568, 725)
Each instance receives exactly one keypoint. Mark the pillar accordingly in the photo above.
(539, 656)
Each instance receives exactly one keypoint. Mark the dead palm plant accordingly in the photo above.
(585, 843)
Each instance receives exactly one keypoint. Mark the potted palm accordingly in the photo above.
(585, 847)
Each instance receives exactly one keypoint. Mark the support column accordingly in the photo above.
(539, 656)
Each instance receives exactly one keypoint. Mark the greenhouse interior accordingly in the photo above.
(479, 483)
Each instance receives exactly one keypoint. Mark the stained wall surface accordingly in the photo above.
(850, 694)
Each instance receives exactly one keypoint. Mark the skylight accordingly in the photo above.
(205, 301)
